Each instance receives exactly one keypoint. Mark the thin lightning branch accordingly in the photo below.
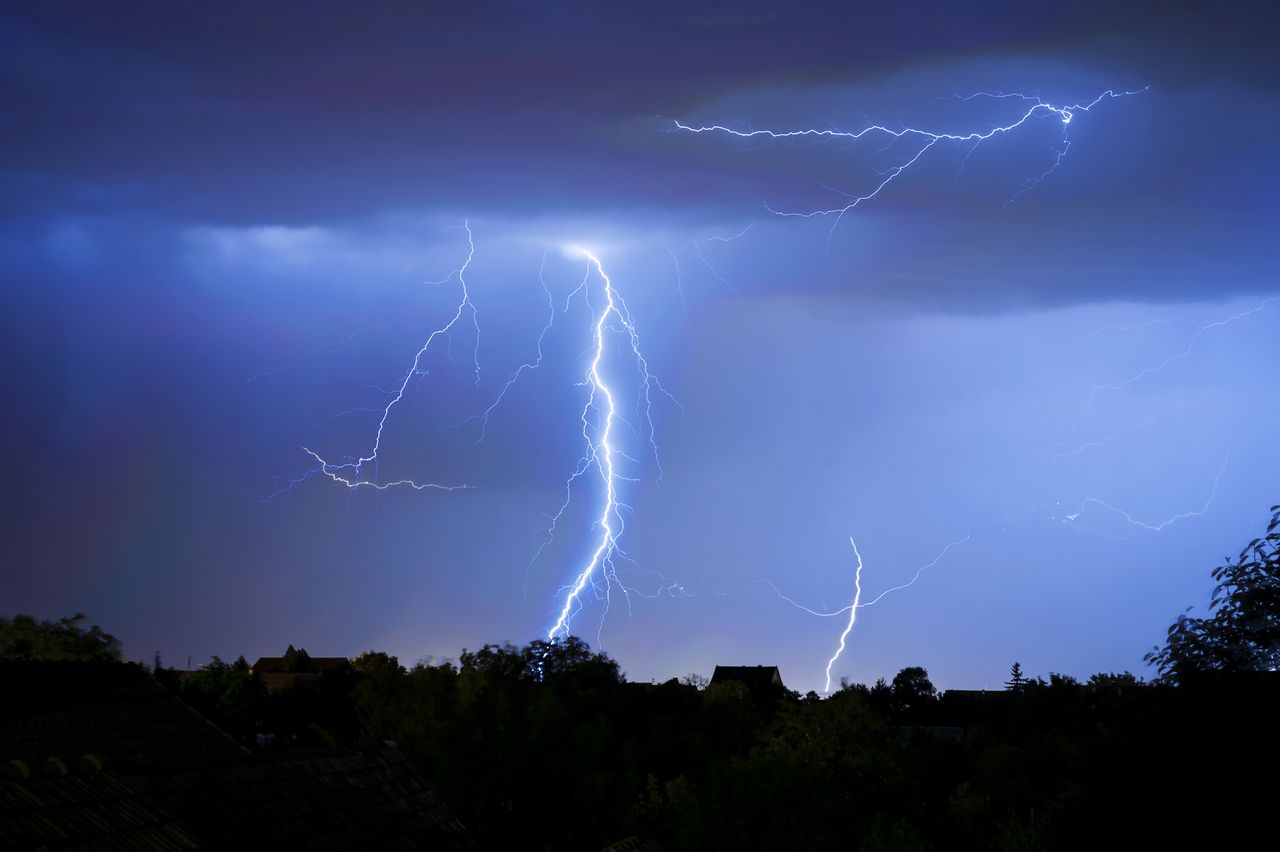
(729, 239)
(350, 474)
(527, 366)
(1031, 183)
(1186, 351)
(1056, 456)
(262, 374)
(329, 471)
(919, 571)
(684, 303)
(1113, 329)
(927, 139)
(1156, 527)
(842, 610)
(697, 250)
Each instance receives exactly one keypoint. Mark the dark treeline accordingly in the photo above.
(547, 746)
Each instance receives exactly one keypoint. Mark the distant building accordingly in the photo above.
(752, 677)
(296, 667)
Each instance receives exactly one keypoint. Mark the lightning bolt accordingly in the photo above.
(1201, 331)
(483, 417)
(599, 419)
(850, 608)
(604, 415)
(925, 139)
(350, 473)
(853, 613)
(1159, 525)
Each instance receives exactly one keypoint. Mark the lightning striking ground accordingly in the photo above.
(599, 419)
(853, 613)
(604, 417)
(850, 608)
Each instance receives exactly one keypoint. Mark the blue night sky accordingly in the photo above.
(221, 225)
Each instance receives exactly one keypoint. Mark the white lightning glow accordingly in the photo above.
(853, 613)
(610, 413)
(600, 456)
(926, 140)
(857, 604)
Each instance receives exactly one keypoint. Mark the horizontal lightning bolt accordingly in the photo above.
(927, 140)
(1150, 527)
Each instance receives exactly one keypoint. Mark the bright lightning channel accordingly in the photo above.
(599, 418)
(927, 139)
(857, 604)
(853, 613)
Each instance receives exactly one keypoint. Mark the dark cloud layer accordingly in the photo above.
(292, 112)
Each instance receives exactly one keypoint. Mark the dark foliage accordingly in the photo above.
(1242, 634)
(547, 746)
(64, 640)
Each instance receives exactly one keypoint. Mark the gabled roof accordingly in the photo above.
(751, 676)
(313, 665)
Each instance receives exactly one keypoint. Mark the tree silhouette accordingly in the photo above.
(913, 692)
(24, 638)
(296, 660)
(1243, 631)
(1016, 681)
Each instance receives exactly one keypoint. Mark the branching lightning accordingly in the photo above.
(925, 139)
(1201, 330)
(604, 466)
(599, 419)
(852, 607)
(483, 417)
(1159, 525)
(351, 473)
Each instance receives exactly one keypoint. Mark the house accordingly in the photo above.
(752, 677)
(296, 667)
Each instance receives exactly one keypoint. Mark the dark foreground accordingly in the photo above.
(547, 747)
